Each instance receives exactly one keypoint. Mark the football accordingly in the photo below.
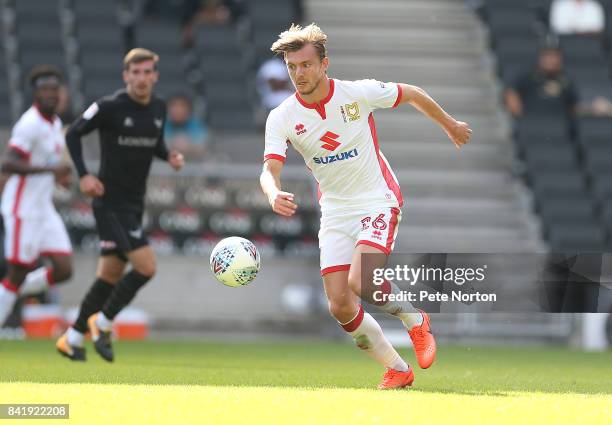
(235, 261)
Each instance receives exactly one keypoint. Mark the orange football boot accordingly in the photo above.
(423, 342)
(393, 379)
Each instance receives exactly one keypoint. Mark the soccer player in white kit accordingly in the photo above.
(331, 124)
(33, 228)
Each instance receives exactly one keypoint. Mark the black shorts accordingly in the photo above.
(120, 231)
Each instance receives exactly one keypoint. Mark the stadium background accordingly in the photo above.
(532, 190)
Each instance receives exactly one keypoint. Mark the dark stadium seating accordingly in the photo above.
(101, 47)
(39, 34)
(5, 110)
(582, 237)
(559, 210)
(225, 77)
(571, 179)
(165, 39)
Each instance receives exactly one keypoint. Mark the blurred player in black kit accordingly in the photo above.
(131, 126)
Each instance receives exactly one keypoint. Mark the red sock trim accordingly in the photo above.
(354, 324)
(10, 286)
(50, 279)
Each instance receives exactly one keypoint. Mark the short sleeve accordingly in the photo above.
(23, 138)
(381, 95)
(275, 138)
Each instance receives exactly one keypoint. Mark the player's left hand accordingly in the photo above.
(176, 160)
(459, 132)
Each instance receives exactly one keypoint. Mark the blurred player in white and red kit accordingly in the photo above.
(330, 123)
(34, 229)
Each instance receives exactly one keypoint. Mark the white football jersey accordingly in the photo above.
(338, 141)
(41, 142)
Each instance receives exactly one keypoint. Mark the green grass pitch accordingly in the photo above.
(307, 383)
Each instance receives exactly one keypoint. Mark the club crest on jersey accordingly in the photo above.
(352, 110)
(300, 129)
(342, 156)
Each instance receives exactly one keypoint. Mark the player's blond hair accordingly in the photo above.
(138, 55)
(297, 37)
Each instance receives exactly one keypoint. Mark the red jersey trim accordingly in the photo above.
(23, 153)
(385, 250)
(386, 172)
(342, 267)
(275, 156)
(49, 119)
(399, 96)
(319, 107)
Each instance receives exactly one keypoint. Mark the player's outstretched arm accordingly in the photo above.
(458, 131)
(281, 202)
(14, 163)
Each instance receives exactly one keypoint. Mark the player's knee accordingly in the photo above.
(341, 311)
(62, 273)
(147, 269)
(354, 282)
(111, 276)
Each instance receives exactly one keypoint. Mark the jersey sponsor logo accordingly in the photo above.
(137, 142)
(128, 122)
(300, 129)
(158, 122)
(91, 111)
(352, 110)
(329, 141)
(353, 153)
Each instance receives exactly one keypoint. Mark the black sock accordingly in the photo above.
(123, 293)
(92, 303)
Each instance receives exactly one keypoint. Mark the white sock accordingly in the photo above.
(104, 322)
(403, 310)
(36, 281)
(369, 336)
(75, 338)
(7, 301)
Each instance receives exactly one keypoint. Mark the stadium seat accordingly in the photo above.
(5, 110)
(566, 209)
(225, 92)
(580, 48)
(594, 130)
(553, 157)
(599, 159)
(587, 73)
(555, 184)
(584, 237)
(547, 130)
(602, 186)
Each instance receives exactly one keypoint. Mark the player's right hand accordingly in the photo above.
(60, 171)
(282, 203)
(63, 174)
(91, 186)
